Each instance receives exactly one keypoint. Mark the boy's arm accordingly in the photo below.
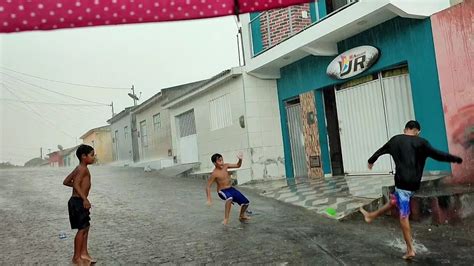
(383, 150)
(439, 155)
(81, 172)
(211, 180)
(69, 179)
(238, 164)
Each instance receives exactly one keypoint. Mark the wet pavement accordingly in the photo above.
(143, 218)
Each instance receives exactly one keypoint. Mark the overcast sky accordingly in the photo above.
(150, 56)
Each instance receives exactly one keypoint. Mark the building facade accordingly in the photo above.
(349, 80)
(231, 112)
(124, 137)
(154, 129)
(101, 140)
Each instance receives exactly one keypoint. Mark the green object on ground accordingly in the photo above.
(331, 211)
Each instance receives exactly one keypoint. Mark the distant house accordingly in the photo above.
(153, 125)
(101, 140)
(37, 162)
(124, 136)
(69, 157)
(55, 159)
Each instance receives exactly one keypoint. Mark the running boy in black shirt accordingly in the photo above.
(409, 153)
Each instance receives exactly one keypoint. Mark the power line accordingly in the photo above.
(43, 88)
(64, 82)
(37, 113)
(50, 103)
(65, 110)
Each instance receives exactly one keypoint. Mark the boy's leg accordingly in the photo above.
(78, 245)
(405, 224)
(243, 208)
(228, 204)
(370, 216)
(84, 251)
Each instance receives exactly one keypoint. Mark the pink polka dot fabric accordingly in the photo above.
(27, 15)
(247, 6)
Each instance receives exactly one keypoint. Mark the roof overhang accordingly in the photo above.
(213, 82)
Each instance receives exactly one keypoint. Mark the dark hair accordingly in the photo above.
(215, 157)
(83, 150)
(412, 124)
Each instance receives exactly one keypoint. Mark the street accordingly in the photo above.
(144, 218)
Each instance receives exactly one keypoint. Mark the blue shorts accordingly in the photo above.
(234, 195)
(402, 199)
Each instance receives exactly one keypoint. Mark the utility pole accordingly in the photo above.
(41, 152)
(112, 104)
(133, 92)
(133, 96)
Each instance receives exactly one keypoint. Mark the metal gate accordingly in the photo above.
(369, 115)
(295, 127)
(188, 146)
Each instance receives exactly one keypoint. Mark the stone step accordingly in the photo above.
(180, 170)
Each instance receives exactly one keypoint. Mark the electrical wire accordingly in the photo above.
(38, 114)
(52, 91)
(64, 82)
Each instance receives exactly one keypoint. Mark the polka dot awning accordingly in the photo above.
(27, 15)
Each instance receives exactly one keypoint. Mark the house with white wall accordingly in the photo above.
(229, 113)
(153, 127)
(124, 142)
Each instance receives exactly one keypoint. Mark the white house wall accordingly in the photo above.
(125, 145)
(264, 128)
(260, 140)
(159, 142)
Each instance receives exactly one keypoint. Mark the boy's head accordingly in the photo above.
(85, 153)
(412, 128)
(217, 160)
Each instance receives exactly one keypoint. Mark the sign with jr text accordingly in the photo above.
(353, 62)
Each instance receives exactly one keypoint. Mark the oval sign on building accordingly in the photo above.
(353, 62)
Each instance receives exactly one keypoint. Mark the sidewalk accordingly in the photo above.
(334, 197)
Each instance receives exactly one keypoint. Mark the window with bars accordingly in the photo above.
(220, 113)
(157, 122)
(143, 133)
(186, 124)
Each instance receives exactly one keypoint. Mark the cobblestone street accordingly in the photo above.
(143, 218)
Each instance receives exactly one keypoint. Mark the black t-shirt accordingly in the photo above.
(410, 154)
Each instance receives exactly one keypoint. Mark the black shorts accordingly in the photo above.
(78, 215)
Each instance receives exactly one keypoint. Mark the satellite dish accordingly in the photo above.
(60, 147)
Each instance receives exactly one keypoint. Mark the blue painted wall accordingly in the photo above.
(400, 41)
(320, 9)
(255, 26)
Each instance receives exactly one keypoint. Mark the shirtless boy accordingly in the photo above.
(226, 192)
(79, 206)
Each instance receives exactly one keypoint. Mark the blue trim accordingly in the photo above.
(322, 12)
(255, 28)
(322, 131)
(286, 140)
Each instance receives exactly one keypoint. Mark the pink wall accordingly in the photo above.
(453, 40)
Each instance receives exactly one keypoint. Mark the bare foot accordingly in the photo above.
(88, 258)
(409, 256)
(80, 262)
(225, 221)
(367, 216)
(244, 218)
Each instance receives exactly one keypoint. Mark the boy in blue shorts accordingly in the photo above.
(409, 151)
(225, 191)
